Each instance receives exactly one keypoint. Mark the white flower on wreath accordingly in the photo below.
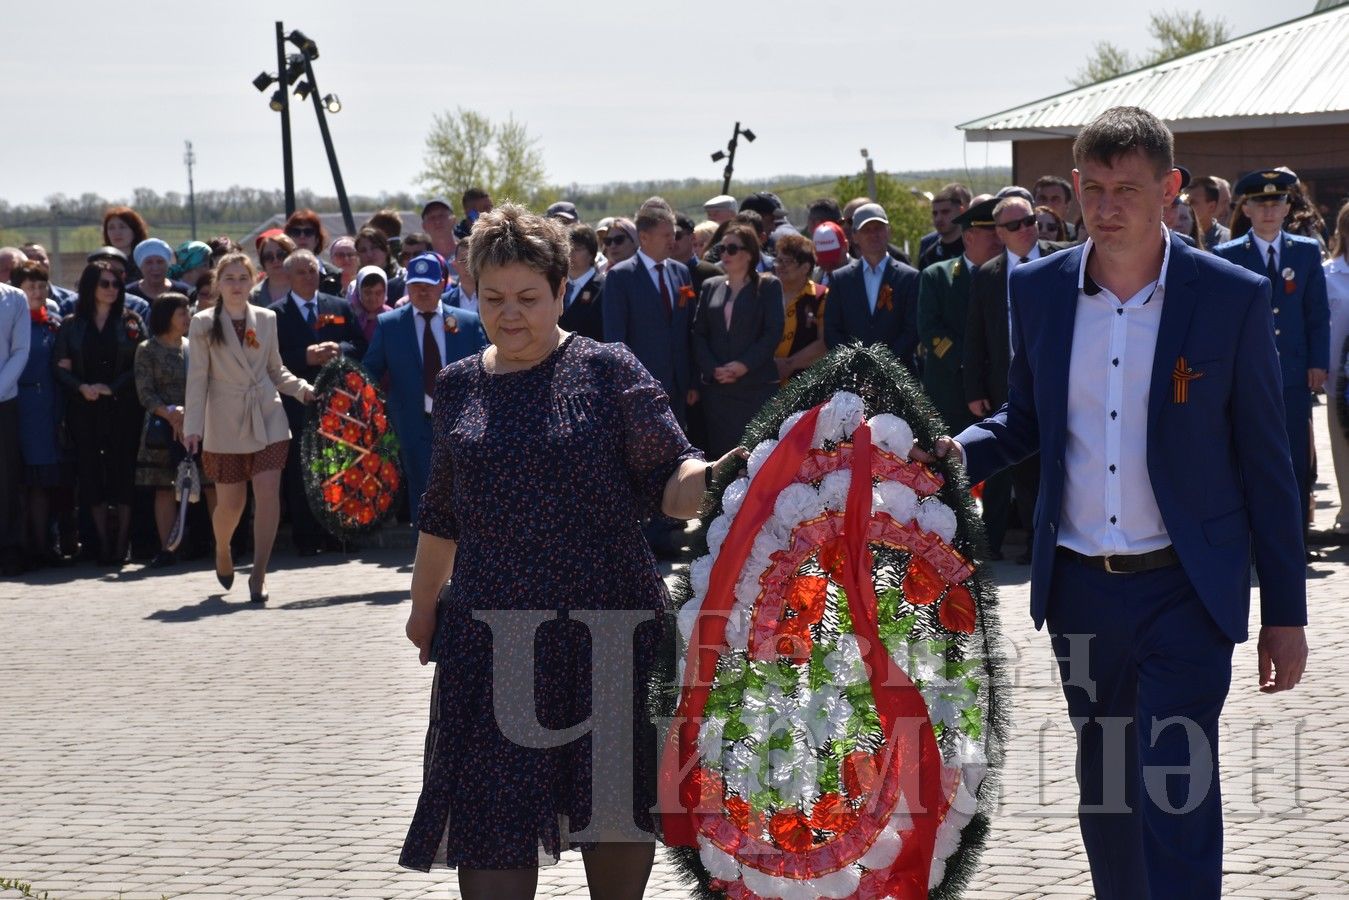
(825, 716)
(937, 518)
(795, 774)
(716, 533)
(845, 662)
(797, 503)
(839, 418)
(764, 712)
(946, 699)
(758, 456)
(734, 495)
(789, 423)
(709, 739)
(834, 489)
(891, 433)
(740, 769)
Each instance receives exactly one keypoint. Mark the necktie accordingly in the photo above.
(1024, 260)
(571, 294)
(309, 315)
(1271, 267)
(664, 290)
(430, 356)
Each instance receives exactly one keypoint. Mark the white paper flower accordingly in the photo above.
(769, 541)
(797, 503)
(883, 851)
(946, 699)
(709, 739)
(700, 571)
(758, 455)
(734, 495)
(841, 883)
(718, 862)
(948, 839)
(789, 422)
(825, 715)
(834, 489)
(687, 617)
(716, 533)
(894, 498)
(747, 589)
(890, 432)
(938, 518)
(737, 628)
(839, 418)
(740, 769)
(794, 774)
(845, 662)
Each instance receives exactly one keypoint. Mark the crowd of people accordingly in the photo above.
(105, 387)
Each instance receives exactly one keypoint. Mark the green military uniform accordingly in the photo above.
(943, 304)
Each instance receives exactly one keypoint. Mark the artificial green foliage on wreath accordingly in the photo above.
(349, 452)
(792, 763)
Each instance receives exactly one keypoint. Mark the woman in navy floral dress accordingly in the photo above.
(549, 449)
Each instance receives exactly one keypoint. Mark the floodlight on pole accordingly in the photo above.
(304, 44)
(332, 103)
(302, 90)
(729, 155)
(263, 81)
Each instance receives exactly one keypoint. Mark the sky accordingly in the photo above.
(613, 92)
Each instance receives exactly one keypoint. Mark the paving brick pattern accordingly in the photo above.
(160, 740)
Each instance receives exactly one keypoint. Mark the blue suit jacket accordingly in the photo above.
(634, 314)
(1302, 314)
(1219, 463)
(394, 350)
(848, 316)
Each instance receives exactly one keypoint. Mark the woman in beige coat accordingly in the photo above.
(234, 414)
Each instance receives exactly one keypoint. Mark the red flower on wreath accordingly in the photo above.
(832, 813)
(331, 423)
(354, 381)
(791, 831)
(859, 774)
(806, 597)
(332, 494)
(922, 583)
(340, 403)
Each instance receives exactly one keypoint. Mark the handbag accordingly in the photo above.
(158, 433)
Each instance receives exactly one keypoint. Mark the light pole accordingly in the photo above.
(323, 105)
(730, 159)
(287, 71)
(189, 159)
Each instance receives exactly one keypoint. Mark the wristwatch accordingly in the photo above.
(707, 476)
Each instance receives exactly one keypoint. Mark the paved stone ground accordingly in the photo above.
(160, 740)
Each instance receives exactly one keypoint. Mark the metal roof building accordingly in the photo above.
(1275, 97)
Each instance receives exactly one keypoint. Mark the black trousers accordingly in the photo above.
(1023, 479)
(11, 464)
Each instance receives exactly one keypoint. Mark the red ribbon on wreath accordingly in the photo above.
(898, 701)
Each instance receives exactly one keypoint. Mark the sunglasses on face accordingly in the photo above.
(731, 249)
(272, 257)
(112, 284)
(1018, 224)
(301, 231)
(615, 240)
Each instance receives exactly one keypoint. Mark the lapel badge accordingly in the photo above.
(885, 299)
(451, 324)
(1181, 376)
(1289, 280)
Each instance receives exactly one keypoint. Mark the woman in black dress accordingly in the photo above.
(548, 451)
(736, 331)
(95, 356)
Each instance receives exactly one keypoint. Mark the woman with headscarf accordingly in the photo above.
(153, 258)
(369, 298)
(194, 260)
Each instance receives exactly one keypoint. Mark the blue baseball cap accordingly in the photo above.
(425, 269)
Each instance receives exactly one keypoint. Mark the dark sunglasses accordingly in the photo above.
(273, 257)
(106, 283)
(615, 240)
(301, 231)
(1018, 224)
(731, 249)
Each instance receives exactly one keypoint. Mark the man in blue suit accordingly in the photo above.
(874, 298)
(646, 307)
(1292, 264)
(412, 344)
(1144, 373)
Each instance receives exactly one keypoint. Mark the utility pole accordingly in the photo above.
(871, 174)
(189, 159)
(730, 160)
(286, 161)
(328, 146)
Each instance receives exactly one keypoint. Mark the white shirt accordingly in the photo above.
(655, 276)
(305, 305)
(577, 285)
(437, 334)
(1108, 503)
(1263, 248)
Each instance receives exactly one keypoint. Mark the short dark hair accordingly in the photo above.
(798, 247)
(582, 235)
(1124, 129)
(956, 193)
(825, 209)
(684, 222)
(512, 234)
(28, 270)
(162, 310)
(1057, 181)
(1209, 185)
(221, 245)
(387, 221)
(380, 241)
(473, 195)
(752, 219)
(417, 237)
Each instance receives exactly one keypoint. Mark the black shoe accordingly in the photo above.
(995, 556)
(163, 559)
(226, 579)
(257, 596)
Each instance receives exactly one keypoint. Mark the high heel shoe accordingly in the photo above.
(255, 595)
(226, 579)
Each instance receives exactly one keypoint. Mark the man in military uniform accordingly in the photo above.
(1301, 312)
(943, 307)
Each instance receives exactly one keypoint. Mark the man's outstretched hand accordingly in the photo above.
(1282, 650)
(944, 447)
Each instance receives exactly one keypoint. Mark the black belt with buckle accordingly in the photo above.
(1125, 565)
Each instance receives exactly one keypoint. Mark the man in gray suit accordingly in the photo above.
(648, 305)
